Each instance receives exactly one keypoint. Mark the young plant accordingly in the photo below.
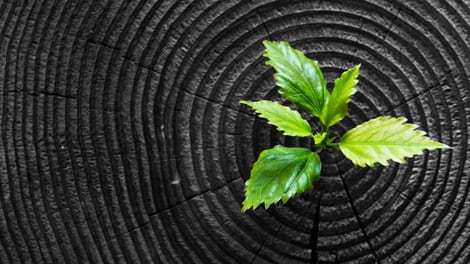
(281, 173)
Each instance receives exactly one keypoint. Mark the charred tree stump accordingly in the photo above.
(123, 140)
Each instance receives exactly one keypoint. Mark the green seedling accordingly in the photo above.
(281, 173)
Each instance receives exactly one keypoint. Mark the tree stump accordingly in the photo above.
(123, 140)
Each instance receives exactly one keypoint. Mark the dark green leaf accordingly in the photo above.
(300, 79)
(280, 173)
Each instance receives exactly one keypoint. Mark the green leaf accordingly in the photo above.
(300, 79)
(285, 119)
(318, 138)
(337, 106)
(385, 138)
(280, 173)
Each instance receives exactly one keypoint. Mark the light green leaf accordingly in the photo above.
(280, 173)
(300, 79)
(385, 138)
(337, 106)
(285, 119)
(319, 137)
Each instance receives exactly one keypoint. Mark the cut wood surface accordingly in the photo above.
(123, 140)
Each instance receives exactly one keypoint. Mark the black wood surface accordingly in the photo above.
(123, 141)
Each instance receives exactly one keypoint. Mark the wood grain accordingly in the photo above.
(123, 140)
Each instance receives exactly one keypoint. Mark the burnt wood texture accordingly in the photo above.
(123, 141)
